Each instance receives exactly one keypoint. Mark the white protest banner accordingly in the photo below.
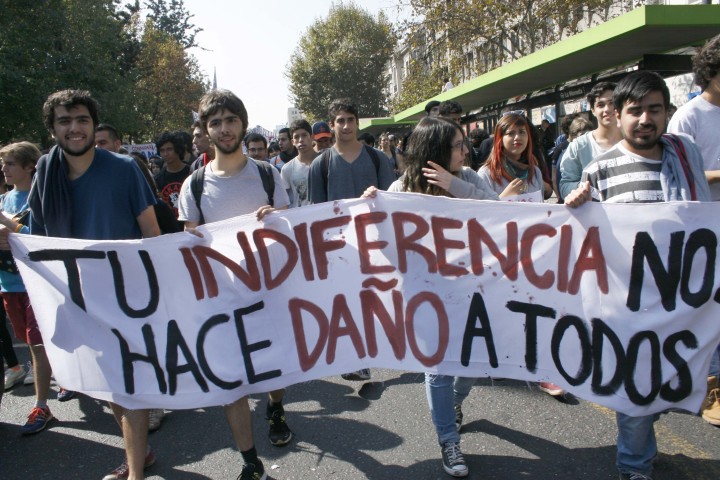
(617, 303)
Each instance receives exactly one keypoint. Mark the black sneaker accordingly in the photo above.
(453, 460)
(280, 434)
(251, 471)
(458, 417)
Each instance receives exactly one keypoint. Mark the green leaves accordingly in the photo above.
(343, 55)
(143, 78)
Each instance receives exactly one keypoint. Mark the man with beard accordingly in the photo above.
(230, 185)
(644, 167)
(85, 192)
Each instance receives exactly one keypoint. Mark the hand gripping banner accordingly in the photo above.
(616, 303)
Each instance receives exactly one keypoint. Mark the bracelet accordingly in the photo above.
(18, 228)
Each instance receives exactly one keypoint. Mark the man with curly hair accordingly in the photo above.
(699, 118)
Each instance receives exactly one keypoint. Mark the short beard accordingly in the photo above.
(77, 153)
(229, 151)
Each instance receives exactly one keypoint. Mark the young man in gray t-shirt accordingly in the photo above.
(350, 169)
(348, 172)
(231, 186)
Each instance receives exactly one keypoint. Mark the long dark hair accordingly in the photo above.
(430, 141)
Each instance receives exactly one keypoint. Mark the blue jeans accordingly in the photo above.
(715, 363)
(636, 444)
(443, 392)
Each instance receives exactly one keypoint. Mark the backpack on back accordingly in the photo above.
(197, 180)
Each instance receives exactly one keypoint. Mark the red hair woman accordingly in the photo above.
(511, 157)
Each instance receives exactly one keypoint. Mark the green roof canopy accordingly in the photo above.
(651, 29)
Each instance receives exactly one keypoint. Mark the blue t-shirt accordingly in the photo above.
(108, 197)
(14, 202)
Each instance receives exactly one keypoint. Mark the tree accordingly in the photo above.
(144, 80)
(51, 45)
(471, 37)
(172, 18)
(344, 55)
(420, 84)
(169, 86)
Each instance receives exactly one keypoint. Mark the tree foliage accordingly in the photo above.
(170, 84)
(343, 55)
(50, 45)
(470, 37)
(420, 84)
(96, 45)
(170, 16)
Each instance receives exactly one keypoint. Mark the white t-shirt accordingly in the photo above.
(295, 178)
(700, 119)
(227, 197)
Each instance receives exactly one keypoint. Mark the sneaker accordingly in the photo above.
(551, 389)
(251, 471)
(37, 420)
(358, 376)
(635, 476)
(458, 417)
(65, 395)
(710, 410)
(280, 434)
(453, 460)
(123, 471)
(30, 377)
(155, 417)
(13, 376)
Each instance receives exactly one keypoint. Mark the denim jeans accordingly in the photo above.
(715, 363)
(443, 392)
(636, 444)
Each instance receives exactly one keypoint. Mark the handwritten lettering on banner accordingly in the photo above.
(617, 303)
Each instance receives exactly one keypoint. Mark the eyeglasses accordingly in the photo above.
(459, 145)
(514, 112)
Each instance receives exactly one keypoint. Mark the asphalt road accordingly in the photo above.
(379, 430)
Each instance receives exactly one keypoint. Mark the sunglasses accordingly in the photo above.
(514, 112)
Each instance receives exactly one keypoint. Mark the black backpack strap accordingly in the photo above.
(196, 187)
(325, 169)
(376, 160)
(268, 180)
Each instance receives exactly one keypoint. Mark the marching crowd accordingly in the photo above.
(86, 188)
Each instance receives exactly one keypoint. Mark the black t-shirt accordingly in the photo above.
(169, 183)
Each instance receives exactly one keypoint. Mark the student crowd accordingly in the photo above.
(86, 188)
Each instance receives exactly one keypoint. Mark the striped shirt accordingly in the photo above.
(619, 176)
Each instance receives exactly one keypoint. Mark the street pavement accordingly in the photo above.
(378, 430)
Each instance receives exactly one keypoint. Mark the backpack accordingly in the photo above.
(266, 175)
(325, 163)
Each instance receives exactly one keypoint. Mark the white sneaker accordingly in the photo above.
(13, 377)
(360, 375)
(155, 417)
(30, 377)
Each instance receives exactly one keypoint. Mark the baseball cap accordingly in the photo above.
(321, 130)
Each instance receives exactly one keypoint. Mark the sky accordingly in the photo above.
(250, 45)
